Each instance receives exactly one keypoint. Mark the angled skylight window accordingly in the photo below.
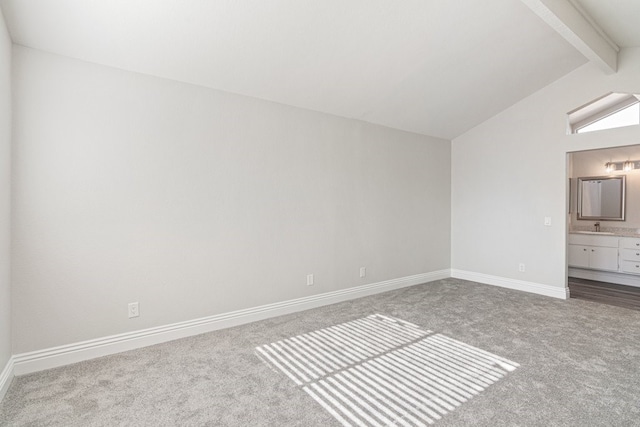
(613, 110)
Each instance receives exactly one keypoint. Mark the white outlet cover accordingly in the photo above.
(134, 310)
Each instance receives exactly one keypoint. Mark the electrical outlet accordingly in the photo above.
(521, 267)
(309, 279)
(134, 310)
(547, 221)
(363, 271)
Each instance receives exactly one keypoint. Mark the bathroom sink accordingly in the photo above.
(595, 232)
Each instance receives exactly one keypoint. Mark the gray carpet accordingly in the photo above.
(578, 364)
(380, 371)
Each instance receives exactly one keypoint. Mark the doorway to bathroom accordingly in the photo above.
(603, 225)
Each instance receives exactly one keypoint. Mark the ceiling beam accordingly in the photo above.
(578, 29)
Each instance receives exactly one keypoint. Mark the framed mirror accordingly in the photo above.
(601, 198)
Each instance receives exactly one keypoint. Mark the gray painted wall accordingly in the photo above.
(511, 171)
(5, 197)
(195, 202)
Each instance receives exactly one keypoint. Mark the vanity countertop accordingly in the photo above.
(616, 232)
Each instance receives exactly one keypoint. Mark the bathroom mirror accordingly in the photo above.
(601, 198)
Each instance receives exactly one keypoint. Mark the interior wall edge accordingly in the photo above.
(6, 376)
(6, 137)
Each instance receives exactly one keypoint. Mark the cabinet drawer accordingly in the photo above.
(630, 267)
(630, 254)
(630, 243)
(591, 240)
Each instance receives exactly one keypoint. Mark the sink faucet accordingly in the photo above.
(597, 224)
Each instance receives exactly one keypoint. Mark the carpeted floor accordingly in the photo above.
(578, 364)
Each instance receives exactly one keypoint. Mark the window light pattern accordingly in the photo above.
(379, 371)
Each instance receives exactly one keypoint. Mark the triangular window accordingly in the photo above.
(613, 110)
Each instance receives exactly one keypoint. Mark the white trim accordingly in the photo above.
(6, 377)
(595, 25)
(605, 276)
(604, 113)
(39, 360)
(520, 285)
(570, 23)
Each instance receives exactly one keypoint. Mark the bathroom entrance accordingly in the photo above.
(604, 225)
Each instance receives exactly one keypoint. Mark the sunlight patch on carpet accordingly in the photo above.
(379, 371)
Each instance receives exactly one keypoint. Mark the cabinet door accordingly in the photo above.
(579, 256)
(603, 258)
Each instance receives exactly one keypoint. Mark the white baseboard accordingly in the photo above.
(5, 377)
(605, 276)
(520, 285)
(39, 360)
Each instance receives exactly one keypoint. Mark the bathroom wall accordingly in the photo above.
(591, 163)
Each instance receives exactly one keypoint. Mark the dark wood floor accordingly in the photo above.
(606, 293)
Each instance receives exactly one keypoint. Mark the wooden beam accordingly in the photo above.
(578, 29)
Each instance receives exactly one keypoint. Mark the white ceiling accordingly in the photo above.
(429, 66)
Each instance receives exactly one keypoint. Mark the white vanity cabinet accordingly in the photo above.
(629, 255)
(594, 252)
(605, 258)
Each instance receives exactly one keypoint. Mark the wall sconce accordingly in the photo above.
(622, 166)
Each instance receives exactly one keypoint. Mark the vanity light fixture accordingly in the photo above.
(622, 166)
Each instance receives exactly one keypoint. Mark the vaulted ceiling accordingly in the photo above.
(428, 66)
(620, 19)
